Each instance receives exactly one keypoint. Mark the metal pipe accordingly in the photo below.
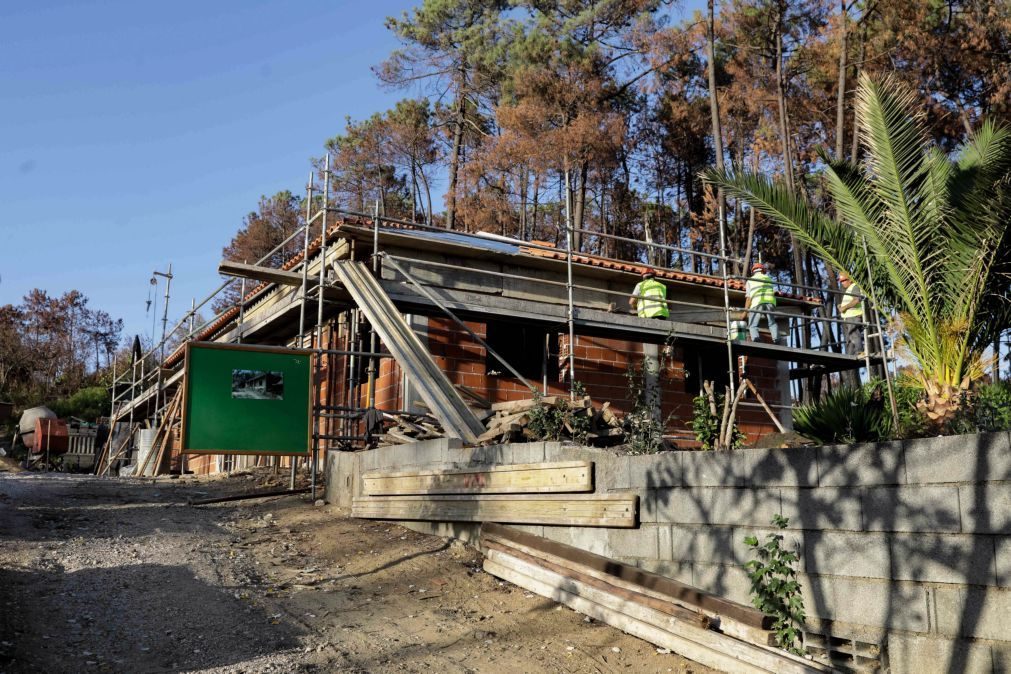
(881, 341)
(568, 265)
(313, 461)
(372, 333)
(242, 311)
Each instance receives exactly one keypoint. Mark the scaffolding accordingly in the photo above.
(143, 387)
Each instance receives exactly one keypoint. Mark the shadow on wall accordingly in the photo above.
(927, 512)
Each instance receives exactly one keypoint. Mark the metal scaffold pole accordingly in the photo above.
(319, 321)
(302, 294)
(881, 340)
(372, 335)
(568, 284)
(161, 354)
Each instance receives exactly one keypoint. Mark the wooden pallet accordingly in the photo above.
(591, 510)
(520, 478)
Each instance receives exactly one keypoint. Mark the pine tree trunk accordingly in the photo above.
(840, 103)
(714, 107)
(454, 160)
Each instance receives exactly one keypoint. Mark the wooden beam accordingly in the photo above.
(519, 478)
(269, 274)
(590, 510)
(627, 575)
(704, 646)
(683, 637)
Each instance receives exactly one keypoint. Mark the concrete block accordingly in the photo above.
(492, 454)
(911, 654)
(1000, 651)
(711, 545)
(711, 505)
(528, 452)
(935, 558)
(638, 543)
(861, 465)
(823, 508)
(680, 571)
(979, 612)
(876, 603)
(986, 508)
(796, 467)
(656, 470)
(911, 508)
(1002, 560)
(551, 450)
(610, 471)
(729, 582)
(428, 452)
(958, 458)
(664, 542)
(714, 469)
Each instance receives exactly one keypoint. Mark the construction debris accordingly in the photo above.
(553, 418)
(399, 429)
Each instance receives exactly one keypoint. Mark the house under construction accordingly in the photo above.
(405, 317)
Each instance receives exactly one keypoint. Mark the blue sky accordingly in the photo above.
(135, 134)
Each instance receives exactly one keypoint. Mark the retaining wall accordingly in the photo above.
(904, 543)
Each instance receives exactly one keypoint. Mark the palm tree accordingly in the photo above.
(934, 228)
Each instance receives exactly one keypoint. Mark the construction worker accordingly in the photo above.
(649, 298)
(851, 309)
(760, 300)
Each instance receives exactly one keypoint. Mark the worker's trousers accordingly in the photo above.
(854, 335)
(755, 317)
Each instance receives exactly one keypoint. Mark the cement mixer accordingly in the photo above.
(27, 424)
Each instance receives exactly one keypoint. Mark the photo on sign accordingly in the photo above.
(257, 385)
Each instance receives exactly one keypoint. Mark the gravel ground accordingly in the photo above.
(121, 575)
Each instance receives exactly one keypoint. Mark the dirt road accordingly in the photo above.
(111, 575)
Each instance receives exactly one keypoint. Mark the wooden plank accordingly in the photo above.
(679, 613)
(635, 578)
(619, 510)
(731, 654)
(519, 478)
(654, 635)
(269, 274)
(721, 623)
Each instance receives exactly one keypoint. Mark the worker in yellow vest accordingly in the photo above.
(649, 298)
(851, 309)
(760, 300)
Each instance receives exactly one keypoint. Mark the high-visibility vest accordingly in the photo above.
(850, 294)
(651, 296)
(760, 290)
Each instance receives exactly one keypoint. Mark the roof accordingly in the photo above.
(489, 242)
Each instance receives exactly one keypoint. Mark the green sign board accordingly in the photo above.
(240, 399)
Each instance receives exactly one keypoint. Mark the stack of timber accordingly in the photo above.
(526, 493)
(399, 429)
(510, 421)
(711, 630)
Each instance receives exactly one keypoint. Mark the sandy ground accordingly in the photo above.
(118, 575)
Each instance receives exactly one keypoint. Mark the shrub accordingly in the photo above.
(775, 590)
(845, 415)
(643, 430)
(87, 404)
(706, 426)
(986, 409)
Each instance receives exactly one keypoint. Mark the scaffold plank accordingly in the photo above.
(519, 478)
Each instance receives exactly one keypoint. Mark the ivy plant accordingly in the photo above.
(774, 587)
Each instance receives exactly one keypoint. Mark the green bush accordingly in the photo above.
(706, 427)
(986, 409)
(87, 404)
(775, 590)
(843, 416)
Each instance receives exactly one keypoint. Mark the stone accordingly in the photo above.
(911, 654)
(978, 612)
(986, 508)
(796, 467)
(714, 469)
(958, 458)
(911, 508)
(861, 465)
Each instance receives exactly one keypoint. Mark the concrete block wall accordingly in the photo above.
(906, 543)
